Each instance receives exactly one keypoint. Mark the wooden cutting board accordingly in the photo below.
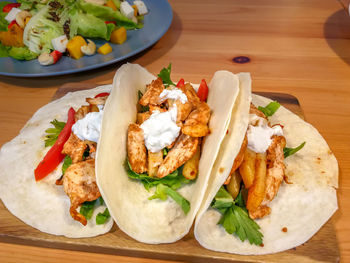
(322, 247)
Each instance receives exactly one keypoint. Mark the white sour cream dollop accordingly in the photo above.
(259, 137)
(160, 130)
(175, 94)
(89, 127)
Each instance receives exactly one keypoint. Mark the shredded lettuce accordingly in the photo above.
(101, 218)
(4, 51)
(67, 161)
(21, 53)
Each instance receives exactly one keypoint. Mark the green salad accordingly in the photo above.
(48, 29)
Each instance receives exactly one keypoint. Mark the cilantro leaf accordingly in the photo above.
(163, 191)
(101, 218)
(165, 76)
(290, 151)
(87, 209)
(270, 109)
(235, 218)
(52, 133)
(66, 163)
(142, 108)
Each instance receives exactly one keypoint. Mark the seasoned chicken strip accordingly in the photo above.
(275, 167)
(191, 94)
(79, 183)
(97, 101)
(137, 153)
(196, 124)
(141, 117)
(184, 148)
(74, 147)
(152, 93)
(260, 212)
(81, 112)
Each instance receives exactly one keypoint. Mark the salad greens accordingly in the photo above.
(166, 186)
(63, 17)
(87, 210)
(67, 161)
(235, 218)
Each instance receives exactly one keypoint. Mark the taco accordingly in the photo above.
(273, 184)
(153, 181)
(51, 191)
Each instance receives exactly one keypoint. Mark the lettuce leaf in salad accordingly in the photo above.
(90, 26)
(22, 53)
(108, 14)
(4, 51)
(3, 21)
(40, 30)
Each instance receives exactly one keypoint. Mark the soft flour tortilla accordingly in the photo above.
(154, 221)
(302, 207)
(43, 205)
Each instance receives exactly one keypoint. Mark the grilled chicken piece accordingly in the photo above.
(152, 93)
(238, 160)
(254, 110)
(97, 101)
(81, 112)
(141, 117)
(184, 148)
(275, 167)
(191, 94)
(74, 147)
(79, 183)
(137, 153)
(196, 124)
(154, 160)
(153, 108)
(183, 109)
(262, 211)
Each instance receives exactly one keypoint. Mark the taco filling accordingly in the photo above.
(78, 153)
(255, 177)
(164, 145)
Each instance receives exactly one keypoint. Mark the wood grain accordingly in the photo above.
(300, 47)
(321, 248)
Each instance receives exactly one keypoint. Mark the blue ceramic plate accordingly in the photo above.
(156, 23)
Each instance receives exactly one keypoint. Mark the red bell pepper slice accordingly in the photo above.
(181, 83)
(103, 94)
(56, 56)
(7, 8)
(54, 156)
(203, 91)
(12, 23)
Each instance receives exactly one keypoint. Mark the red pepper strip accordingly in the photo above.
(54, 156)
(181, 83)
(11, 24)
(7, 8)
(110, 22)
(103, 94)
(56, 56)
(203, 91)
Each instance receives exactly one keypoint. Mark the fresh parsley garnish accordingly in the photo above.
(172, 181)
(142, 108)
(235, 218)
(52, 133)
(67, 161)
(290, 151)
(270, 109)
(101, 218)
(165, 76)
(163, 191)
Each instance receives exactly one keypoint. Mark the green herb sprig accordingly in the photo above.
(290, 151)
(270, 109)
(52, 133)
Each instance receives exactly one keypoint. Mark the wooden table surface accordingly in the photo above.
(301, 47)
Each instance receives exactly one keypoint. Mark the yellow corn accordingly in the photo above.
(105, 49)
(118, 36)
(74, 47)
